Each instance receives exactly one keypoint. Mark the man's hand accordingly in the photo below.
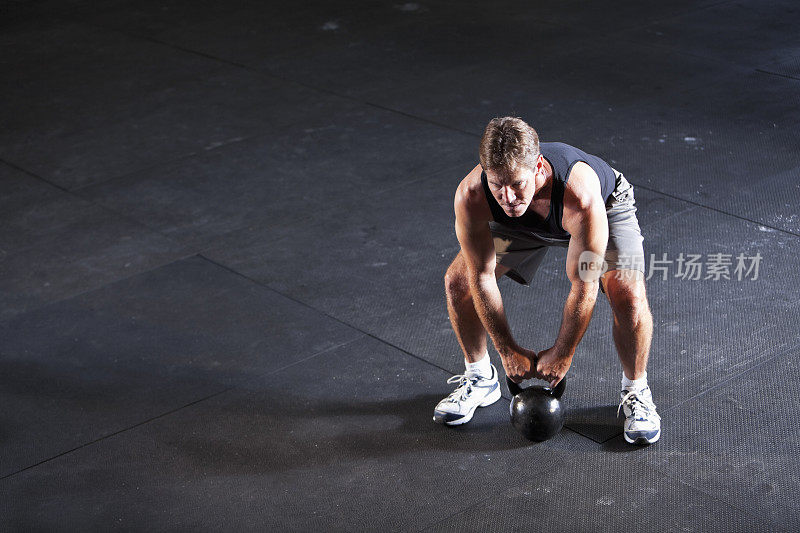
(552, 365)
(519, 364)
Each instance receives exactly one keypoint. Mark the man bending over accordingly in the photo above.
(524, 197)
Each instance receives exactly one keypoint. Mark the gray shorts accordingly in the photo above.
(522, 251)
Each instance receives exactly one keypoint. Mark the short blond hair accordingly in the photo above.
(507, 143)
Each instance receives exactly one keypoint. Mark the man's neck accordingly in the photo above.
(543, 191)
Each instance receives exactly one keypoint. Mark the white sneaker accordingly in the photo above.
(472, 392)
(642, 422)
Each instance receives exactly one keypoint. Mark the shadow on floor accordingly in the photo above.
(597, 422)
(276, 434)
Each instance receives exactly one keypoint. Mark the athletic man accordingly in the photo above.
(522, 198)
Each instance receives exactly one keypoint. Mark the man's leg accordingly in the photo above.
(633, 323)
(479, 385)
(518, 256)
(467, 325)
(633, 331)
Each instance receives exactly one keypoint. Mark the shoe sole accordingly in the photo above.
(642, 440)
(492, 397)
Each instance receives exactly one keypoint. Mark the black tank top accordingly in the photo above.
(562, 157)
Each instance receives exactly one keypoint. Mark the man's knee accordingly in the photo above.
(455, 282)
(634, 310)
(629, 302)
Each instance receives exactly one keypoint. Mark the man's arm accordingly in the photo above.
(585, 219)
(477, 246)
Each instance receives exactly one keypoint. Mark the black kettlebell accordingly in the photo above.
(536, 411)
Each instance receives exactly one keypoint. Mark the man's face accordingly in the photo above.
(513, 189)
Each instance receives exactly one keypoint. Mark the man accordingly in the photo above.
(522, 198)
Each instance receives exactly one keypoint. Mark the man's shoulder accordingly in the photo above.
(583, 188)
(471, 197)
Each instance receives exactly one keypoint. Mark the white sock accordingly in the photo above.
(482, 368)
(637, 384)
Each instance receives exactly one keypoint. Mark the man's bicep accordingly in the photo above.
(587, 246)
(477, 245)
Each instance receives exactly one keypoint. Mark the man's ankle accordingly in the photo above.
(480, 368)
(634, 384)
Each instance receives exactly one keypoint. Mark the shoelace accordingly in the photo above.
(465, 383)
(636, 403)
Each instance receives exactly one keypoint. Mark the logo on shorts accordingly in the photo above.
(591, 266)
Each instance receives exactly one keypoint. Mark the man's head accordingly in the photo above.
(510, 156)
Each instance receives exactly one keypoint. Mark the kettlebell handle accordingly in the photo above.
(515, 388)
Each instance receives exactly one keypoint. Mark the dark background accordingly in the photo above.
(223, 232)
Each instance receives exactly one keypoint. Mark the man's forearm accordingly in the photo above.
(577, 314)
(489, 306)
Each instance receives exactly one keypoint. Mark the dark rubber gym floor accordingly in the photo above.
(223, 234)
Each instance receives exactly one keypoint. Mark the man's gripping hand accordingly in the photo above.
(519, 364)
(552, 365)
